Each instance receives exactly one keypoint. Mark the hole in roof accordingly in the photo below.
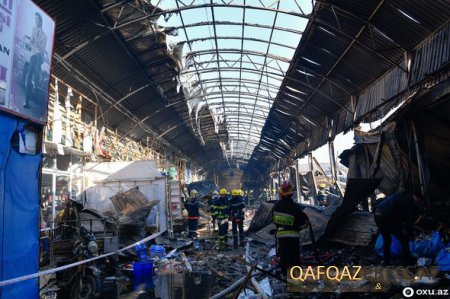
(326, 30)
(292, 96)
(255, 32)
(311, 61)
(251, 107)
(282, 52)
(295, 90)
(199, 32)
(284, 142)
(326, 51)
(258, 16)
(289, 102)
(229, 14)
(229, 44)
(228, 30)
(408, 16)
(305, 73)
(258, 46)
(382, 34)
(307, 119)
(286, 38)
(282, 112)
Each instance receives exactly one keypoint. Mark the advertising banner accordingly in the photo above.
(26, 50)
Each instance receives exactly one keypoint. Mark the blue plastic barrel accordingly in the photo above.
(157, 250)
(143, 275)
(141, 251)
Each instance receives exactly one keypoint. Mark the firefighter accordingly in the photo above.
(213, 210)
(222, 214)
(192, 206)
(237, 217)
(395, 215)
(289, 218)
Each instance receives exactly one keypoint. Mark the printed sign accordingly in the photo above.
(26, 50)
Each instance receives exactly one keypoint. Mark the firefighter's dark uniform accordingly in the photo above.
(222, 214)
(237, 218)
(213, 211)
(289, 219)
(395, 215)
(192, 206)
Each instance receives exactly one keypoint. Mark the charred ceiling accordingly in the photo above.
(246, 84)
(353, 56)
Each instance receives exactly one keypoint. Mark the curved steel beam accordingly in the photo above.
(206, 5)
(314, 89)
(237, 51)
(244, 39)
(209, 23)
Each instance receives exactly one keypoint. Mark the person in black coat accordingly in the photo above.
(395, 215)
(192, 206)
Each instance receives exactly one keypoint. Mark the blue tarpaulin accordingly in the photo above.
(19, 213)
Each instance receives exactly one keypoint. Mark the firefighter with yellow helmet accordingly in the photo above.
(222, 214)
(237, 206)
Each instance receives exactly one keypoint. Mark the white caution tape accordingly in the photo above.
(54, 270)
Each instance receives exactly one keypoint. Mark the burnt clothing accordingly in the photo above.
(289, 253)
(289, 218)
(398, 211)
(236, 208)
(192, 206)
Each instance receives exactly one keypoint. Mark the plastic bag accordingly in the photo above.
(443, 259)
(396, 246)
(427, 248)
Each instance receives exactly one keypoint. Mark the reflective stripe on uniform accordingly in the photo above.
(283, 219)
(288, 234)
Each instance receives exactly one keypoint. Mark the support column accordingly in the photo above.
(313, 192)
(297, 180)
(69, 188)
(423, 188)
(332, 161)
(55, 169)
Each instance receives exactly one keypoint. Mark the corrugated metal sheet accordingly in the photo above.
(431, 55)
(370, 69)
(389, 86)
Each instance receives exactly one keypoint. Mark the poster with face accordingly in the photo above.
(7, 12)
(29, 40)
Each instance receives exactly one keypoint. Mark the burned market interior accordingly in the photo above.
(224, 149)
